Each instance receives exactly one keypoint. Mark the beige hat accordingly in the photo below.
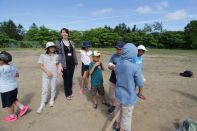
(96, 53)
(49, 44)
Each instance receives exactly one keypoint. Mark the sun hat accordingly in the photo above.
(141, 47)
(50, 44)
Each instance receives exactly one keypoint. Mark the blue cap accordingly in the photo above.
(119, 45)
(86, 44)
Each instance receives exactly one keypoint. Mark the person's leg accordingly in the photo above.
(12, 116)
(93, 93)
(11, 109)
(53, 90)
(45, 86)
(71, 73)
(112, 97)
(66, 82)
(94, 101)
(126, 117)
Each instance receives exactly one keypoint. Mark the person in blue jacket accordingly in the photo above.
(128, 77)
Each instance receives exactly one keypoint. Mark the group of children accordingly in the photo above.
(126, 75)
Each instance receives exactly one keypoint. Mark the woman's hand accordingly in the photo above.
(60, 69)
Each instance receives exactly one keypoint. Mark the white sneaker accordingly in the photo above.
(51, 103)
(40, 109)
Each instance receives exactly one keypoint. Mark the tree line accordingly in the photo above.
(151, 35)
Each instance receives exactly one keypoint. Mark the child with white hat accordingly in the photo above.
(139, 61)
(48, 63)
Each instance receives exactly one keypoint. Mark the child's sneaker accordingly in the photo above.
(141, 96)
(81, 91)
(51, 103)
(40, 109)
(89, 88)
(111, 109)
(23, 111)
(10, 118)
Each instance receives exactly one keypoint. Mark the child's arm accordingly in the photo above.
(49, 74)
(93, 68)
(17, 74)
(138, 79)
(102, 66)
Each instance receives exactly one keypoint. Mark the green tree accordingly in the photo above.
(12, 30)
(157, 27)
(147, 28)
(191, 34)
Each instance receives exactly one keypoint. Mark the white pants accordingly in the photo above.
(125, 117)
(45, 87)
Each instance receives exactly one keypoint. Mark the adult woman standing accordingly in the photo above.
(68, 61)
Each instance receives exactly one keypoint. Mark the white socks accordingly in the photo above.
(21, 106)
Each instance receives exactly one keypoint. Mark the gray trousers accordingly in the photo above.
(45, 87)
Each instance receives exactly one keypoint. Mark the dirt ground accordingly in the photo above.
(169, 97)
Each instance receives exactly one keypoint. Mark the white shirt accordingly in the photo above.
(8, 80)
(85, 57)
(49, 62)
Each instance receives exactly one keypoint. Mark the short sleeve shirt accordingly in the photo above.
(8, 80)
(96, 77)
(49, 62)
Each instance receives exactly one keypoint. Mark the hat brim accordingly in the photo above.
(50, 46)
(117, 47)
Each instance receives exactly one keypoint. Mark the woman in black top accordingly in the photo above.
(67, 60)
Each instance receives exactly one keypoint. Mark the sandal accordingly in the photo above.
(141, 96)
(69, 98)
(95, 106)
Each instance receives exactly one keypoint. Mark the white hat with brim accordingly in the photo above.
(50, 44)
(141, 47)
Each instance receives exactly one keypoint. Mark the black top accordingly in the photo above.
(68, 50)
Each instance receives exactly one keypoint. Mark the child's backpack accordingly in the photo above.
(187, 73)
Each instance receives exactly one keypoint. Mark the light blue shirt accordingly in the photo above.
(8, 80)
(139, 61)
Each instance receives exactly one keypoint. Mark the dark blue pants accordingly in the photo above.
(68, 80)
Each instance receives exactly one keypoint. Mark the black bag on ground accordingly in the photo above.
(187, 73)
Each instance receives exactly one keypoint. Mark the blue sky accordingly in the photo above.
(86, 14)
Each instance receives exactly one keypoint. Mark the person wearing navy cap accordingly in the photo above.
(112, 81)
(85, 60)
